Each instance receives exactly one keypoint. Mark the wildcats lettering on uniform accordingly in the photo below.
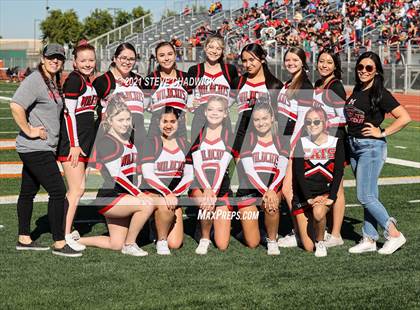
(210, 154)
(171, 93)
(165, 171)
(133, 95)
(89, 101)
(213, 89)
(265, 157)
(128, 159)
(250, 94)
(172, 165)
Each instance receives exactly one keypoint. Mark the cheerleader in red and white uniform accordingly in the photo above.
(264, 161)
(210, 155)
(77, 132)
(125, 207)
(212, 77)
(121, 81)
(164, 88)
(166, 174)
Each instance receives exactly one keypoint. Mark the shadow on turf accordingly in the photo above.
(87, 217)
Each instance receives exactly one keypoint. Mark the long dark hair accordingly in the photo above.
(120, 48)
(48, 82)
(297, 84)
(377, 89)
(336, 59)
(258, 51)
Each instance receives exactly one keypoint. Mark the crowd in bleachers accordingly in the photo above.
(318, 23)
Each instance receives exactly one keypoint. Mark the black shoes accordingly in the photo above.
(66, 251)
(33, 246)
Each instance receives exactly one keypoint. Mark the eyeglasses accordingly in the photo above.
(368, 68)
(126, 59)
(316, 122)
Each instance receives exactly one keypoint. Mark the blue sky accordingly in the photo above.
(17, 16)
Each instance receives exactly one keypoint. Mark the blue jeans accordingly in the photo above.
(367, 157)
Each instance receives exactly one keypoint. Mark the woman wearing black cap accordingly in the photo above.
(36, 107)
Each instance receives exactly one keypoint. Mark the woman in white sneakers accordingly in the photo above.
(365, 112)
(125, 208)
(166, 176)
(318, 165)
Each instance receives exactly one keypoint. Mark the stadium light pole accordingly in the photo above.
(114, 11)
(35, 20)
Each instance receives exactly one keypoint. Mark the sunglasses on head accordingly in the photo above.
(309, 122)
(368, 68)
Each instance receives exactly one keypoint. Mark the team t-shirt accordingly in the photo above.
(358, 111)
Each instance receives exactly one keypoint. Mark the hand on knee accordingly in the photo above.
(319, 213)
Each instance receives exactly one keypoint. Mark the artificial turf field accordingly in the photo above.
(239, 278)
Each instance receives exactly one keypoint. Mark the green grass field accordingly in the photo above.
(239, 278)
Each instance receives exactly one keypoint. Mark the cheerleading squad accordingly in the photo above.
(289, 143)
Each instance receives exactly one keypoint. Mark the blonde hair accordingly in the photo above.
(116, 105)
(220, 41)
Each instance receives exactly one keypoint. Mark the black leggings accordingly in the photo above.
(40, 168)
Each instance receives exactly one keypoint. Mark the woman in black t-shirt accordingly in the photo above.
(365, 111)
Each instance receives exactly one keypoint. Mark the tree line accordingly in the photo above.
(66, 28)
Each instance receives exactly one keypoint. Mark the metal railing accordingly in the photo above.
(121, 32)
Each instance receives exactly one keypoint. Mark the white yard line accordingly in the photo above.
(6, 98)
(400, 147)
(402, 162)
(12, 199)
(414, 201)
(7, 143)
